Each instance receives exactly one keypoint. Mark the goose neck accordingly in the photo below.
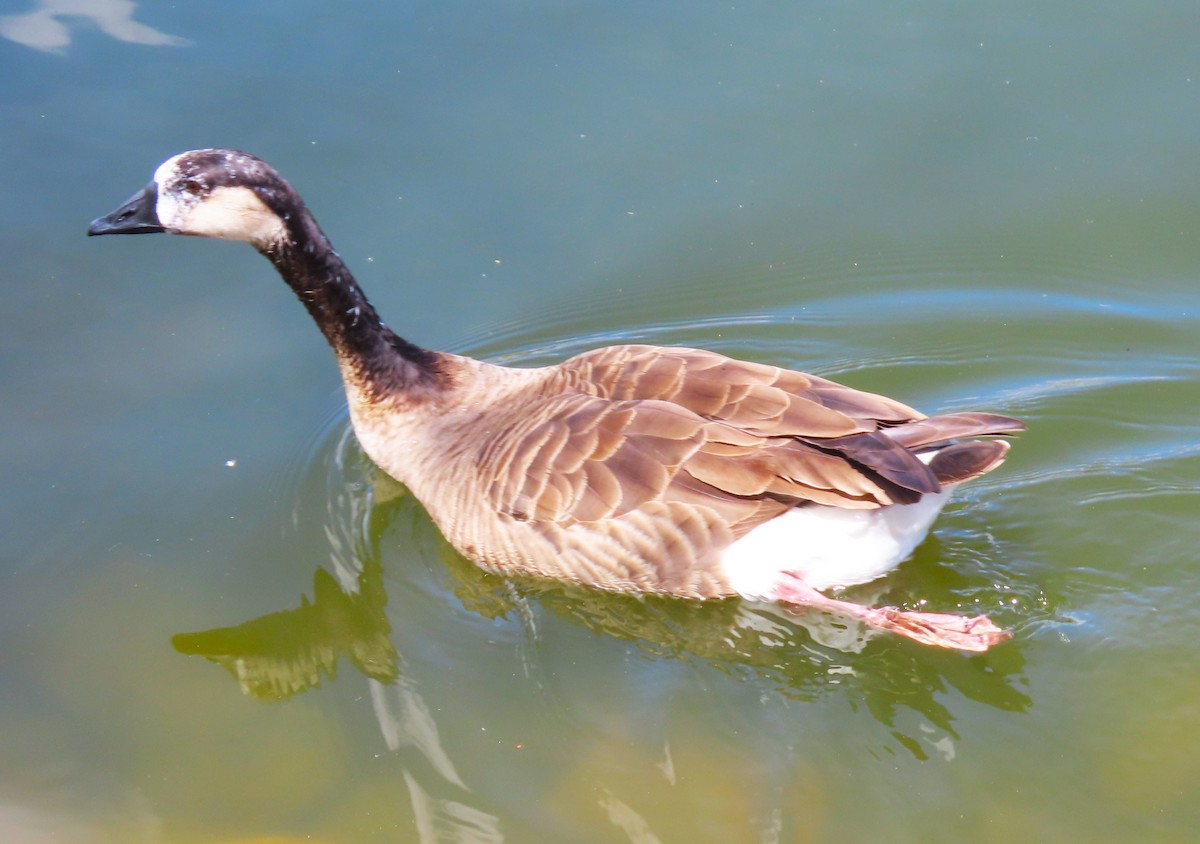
(368, 352)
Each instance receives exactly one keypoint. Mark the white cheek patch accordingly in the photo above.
(172, 206)
(169, 209)
(228, 213)
(232, 213)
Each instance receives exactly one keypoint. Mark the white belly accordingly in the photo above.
(828, 546)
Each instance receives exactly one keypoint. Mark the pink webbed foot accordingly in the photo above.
(957, 632)
(975, 633)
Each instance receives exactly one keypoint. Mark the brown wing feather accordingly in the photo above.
(964, 461)
(576, 457)
(937, 430)
(784, 433)
(626, 426)
(764, 399)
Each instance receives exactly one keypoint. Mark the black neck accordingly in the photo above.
(382, 361)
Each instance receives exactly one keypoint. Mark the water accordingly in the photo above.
(220, 624)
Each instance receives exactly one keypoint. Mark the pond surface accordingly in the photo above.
(220, 624)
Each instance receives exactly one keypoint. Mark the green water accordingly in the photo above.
(219, 624)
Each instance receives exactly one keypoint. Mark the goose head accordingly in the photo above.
(216, 193)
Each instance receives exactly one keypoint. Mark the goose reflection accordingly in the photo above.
(905, 688)
(284, 653)
(802, 654)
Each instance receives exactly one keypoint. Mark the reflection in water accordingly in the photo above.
(284, 653)
(41, 28)
(801, 656)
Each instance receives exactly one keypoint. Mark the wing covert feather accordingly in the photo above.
(583, 458)
(765, 399)
(622, 427)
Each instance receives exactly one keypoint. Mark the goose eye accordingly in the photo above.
(191, 186)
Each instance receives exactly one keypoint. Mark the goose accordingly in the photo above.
(631, 468)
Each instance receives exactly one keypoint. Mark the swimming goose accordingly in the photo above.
(630, 468)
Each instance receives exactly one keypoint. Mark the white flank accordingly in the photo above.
(828, 546)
